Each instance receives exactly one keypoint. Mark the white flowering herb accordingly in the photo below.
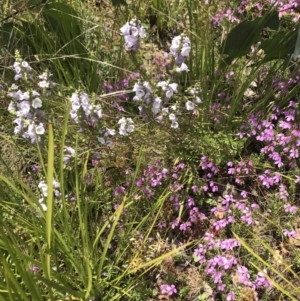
(126, 126)
(132, 31)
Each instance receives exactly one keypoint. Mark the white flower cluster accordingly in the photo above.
(44, 192)
(191, 104)
(126, 126)
(105, 133)
(44, 82)
(174, 120)
(170, 89)
(157, 105)
(142, 92)
(22, 69)
(83, 109)
(180, 49)
(26, 105)
(132, 31)
(70, 152)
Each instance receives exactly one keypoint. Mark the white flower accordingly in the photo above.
(174, 124)
(134, 31)
(130, 128)
(37, 103)
(131, 43)
(35, 93)
(87, 108)
(24, 108)
(75, 101)
(44, 188)
(186, 46)
(156, 105)
(122, 121)
(189, 105)
(198, 99)
(182, 68)
(24, 96)
(130, 121)
(43, 76)
(11, 108)
(175, 45)
(165, 110)
(172, 117)
(18, 76)
(125, 29)
(71, 153)
(84, 98)
(193, 91)
(122, 129)
(39, 129)
(43, 205)
(102, 140)
(162, 84)
(126, 126)
(172, 88)
(17, 67)
(99, 112)
(142, 32)
(44, 84)
(74, 116)
(157, 102)
(56, 185)
(185, 51)
(110, 132)
(139, 91)
(70, 150)
(25, 65)
(19, 127)
(147, 86)
(169, 88)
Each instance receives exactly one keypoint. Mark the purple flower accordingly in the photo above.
(184, 226)
(229, 244)
(162, 224)
(220, 224)
(119, 190)
(283, 194)
(288, 208)
(247, 216)
(167, 289)
(261, 281)
(217, 277)
(289, 234)
(244, 194)
(230, 296)
(243, 275)
(34, 268)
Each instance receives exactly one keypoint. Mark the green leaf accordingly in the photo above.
(296, 49)
(240, 39)
(282, 45)
(118, 2)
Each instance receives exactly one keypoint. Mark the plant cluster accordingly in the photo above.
(106, 218)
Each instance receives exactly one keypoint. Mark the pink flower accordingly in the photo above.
(230, 296)
(167, 289)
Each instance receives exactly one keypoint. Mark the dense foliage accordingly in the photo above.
(149, 150)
